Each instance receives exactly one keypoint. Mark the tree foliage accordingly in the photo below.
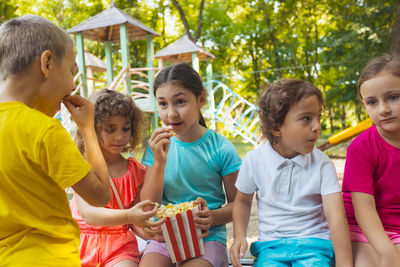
(326, 42)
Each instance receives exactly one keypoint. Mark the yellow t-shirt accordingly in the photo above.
(38, 160)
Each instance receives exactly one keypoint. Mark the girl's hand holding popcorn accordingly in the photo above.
(159, 142)
(204, 217)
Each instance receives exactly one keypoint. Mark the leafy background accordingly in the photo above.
(326, 42)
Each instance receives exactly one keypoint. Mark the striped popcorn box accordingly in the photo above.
(182, 238)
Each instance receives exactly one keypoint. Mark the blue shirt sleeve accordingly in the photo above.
(230, 160)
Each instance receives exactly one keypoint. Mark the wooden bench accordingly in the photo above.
(247, 260)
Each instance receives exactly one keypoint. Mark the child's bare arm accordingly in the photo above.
(340, 236)
(153, 185)
(222, 215)
(241, 214)
(109, 217)
(95, 186)
(368, 219)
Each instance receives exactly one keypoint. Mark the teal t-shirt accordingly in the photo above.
(196, 170)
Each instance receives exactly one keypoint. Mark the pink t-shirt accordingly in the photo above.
(373, 167)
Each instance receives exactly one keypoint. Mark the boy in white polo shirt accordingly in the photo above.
(301, 214)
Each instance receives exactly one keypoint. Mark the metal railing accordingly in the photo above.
(238, 115)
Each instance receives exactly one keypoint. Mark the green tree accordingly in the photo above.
(7, 11)
(326, 42)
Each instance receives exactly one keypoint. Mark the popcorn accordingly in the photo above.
(182, 237)
(170, 130)
(170, 210)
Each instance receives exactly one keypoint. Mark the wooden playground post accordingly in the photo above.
(211, 103)
(81, 61)
(90, 82)
(150, 65)
(160, 63)
(108, 50)
(123, 29)
(195, 62)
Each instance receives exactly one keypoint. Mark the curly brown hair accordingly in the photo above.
(109, 103)
(276, 100)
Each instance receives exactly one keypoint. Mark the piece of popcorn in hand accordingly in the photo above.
(169, 129)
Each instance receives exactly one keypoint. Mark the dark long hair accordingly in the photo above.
(185, 76)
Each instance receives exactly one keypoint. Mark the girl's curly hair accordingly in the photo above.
(109, 103)
(278, 98)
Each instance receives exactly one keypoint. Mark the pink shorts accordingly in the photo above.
(356, 235)
(214, 252)
(107, 247)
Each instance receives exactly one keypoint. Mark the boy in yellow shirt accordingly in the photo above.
(38, 159)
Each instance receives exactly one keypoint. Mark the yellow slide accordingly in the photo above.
(346, 134)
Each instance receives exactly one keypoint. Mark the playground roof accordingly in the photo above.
(105, 26)
(95, 63)
(181, 50)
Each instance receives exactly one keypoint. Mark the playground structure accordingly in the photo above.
(115, 26)
(93, 64)
(225, 107)
(239, 116)
(112, 26)
(346, 134)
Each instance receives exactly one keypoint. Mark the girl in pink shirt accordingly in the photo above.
(371, 179)
(106, 239)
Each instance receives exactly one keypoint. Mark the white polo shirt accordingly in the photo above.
(288, 192)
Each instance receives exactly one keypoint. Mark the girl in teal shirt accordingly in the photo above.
(199, 164)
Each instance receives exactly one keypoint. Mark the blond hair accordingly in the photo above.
(25, 38)
(385, 63)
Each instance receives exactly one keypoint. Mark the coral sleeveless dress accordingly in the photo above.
(108, 245)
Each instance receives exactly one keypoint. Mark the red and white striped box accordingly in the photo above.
(182, 237)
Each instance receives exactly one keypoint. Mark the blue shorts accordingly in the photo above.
(294, 252)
